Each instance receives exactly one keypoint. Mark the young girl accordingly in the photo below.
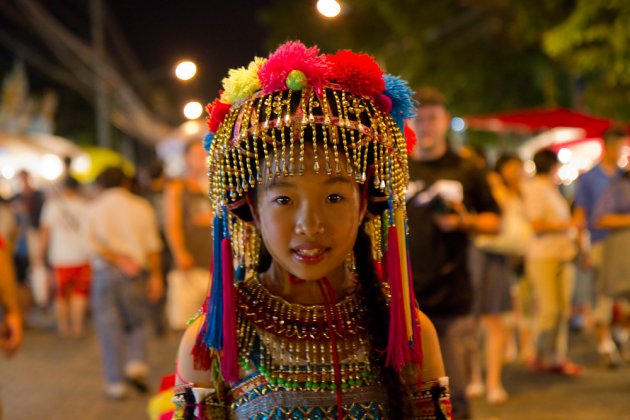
(308, 169)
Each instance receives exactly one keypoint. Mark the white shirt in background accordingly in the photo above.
(123, 223)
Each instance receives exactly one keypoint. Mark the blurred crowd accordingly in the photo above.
(504, 264)
(107, 251)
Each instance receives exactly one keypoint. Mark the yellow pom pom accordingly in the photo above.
(242, 82)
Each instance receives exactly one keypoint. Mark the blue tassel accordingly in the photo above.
(239, 275)
(213, 337)
(403, 104)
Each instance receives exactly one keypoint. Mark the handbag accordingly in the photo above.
(513, 235)
(41, 285)
(185, 293)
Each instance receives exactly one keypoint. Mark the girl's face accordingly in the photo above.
(309, 222)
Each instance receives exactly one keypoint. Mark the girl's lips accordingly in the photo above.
(309, 255)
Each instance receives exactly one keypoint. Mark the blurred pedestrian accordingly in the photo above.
(123, 236)
(27, 206)
(492, 263)
(448, 200)
(549, 265)
(154, 191)
(589, 189)
(11, 327)
(188, 221)
(62, 240)
(612, 212)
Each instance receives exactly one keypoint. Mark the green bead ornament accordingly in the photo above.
(296, 80)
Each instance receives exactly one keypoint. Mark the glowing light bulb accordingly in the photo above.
(193, 110)
(185, 70)
(329, 8)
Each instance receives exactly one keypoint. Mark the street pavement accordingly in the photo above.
(53, 378)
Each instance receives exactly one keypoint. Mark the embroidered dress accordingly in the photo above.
(288, 370)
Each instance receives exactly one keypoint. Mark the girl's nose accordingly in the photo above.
(309, 222)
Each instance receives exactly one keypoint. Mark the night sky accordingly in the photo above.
(217, 34)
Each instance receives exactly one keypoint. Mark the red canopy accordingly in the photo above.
(539, 119)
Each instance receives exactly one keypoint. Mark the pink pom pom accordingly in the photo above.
(384, 102)
(293, 55)
(357, 73)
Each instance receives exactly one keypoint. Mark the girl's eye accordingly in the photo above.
(334, 198)
(283, 200)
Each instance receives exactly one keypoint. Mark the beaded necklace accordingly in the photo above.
(290, 344)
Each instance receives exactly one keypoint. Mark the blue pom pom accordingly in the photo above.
(207, 141)
(403, 104)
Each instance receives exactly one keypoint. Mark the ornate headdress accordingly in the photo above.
(347, 107)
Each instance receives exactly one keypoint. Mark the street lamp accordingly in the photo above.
(329, 8)
(193, 110)
(185, 70)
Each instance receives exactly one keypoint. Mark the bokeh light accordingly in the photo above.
(185, 70)
(458, 124)
(565, 155)
(329, 8)
(51, 167)
(193, 110)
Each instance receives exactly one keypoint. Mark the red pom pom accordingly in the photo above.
(357, 73)
(217, 111)
(410, 136)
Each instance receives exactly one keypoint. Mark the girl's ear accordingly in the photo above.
(251, 203)
(363, 208)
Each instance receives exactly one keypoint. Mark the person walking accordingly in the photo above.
(612, 212)
(449, 199)
(549, 265)
(126, 276)
(493, 261)
(589, 188)
(188, 231)
(62, 239)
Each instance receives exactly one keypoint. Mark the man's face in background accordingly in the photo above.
(431, 125)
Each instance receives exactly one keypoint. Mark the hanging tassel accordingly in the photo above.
(229, 355)
(239, 275)
(210, 338)
(404, 345)
(404, 271)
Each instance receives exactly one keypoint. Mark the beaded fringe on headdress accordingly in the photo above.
(353, 113)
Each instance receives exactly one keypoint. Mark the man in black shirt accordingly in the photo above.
(448, 199)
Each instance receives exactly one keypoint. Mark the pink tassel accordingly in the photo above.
(229, 354)
(397, 340)
(400, 350)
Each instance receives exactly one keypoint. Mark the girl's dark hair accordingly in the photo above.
(377, 324)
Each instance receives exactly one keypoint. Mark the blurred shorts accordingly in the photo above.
(73, 280)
